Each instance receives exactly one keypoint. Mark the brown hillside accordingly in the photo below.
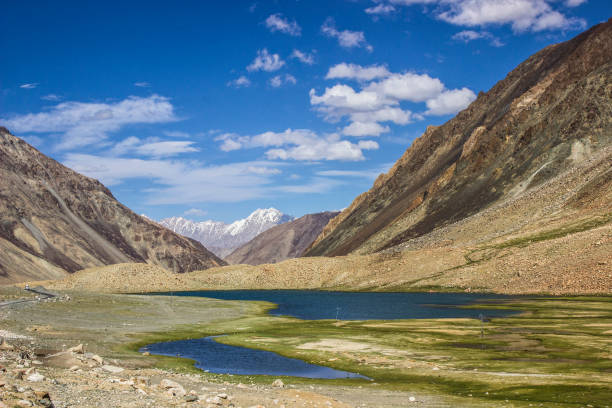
(550, 113)
(54, 221)
(288, 240)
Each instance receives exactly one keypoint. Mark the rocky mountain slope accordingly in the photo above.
(551, 113)
(54, 221)
(283, 241)
(222, 238)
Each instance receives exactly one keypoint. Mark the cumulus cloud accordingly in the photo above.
(276, 22)
(240, 82)
(346, 38)
(298, 144)
(521, 15)
(279, 80)
(386, 114)
(306, 58)
(365, 129)
(264, 61)
(29, 85)
(379, 100)
(341, 100)
(450, 101)
(354, 71)
(408, 86)
(87, 123)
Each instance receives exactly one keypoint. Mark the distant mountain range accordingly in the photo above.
(55, 221)
(283, 241)
(222, 238)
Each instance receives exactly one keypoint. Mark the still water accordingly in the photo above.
(216, 357)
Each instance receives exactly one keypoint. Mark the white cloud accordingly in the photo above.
(365, 129)
(408, 86)
(574, 3)
(263, 170)
(152, 147)
(354, 71)
(346, 38)
(195, 212)
(240, 82)
(266, 62)
(29, 86)
(142, 84)
(386, 114)
(87, 123)
(51, 98)
(306, 58)
(178, 181)
(522, 15)
(471, 35)
(177, 133)
(341, 100)
(380, 9)
(451, 101)
(279, 80)
(468, 35)
(276, 22)
(167, 148)
(380, 100)
(299, 144)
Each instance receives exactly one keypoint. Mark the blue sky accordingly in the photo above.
(211, 109)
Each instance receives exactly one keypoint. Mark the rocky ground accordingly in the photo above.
(75, 378)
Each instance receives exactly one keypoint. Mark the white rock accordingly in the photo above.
(214, 400)
(112, 369)
(222, 395)
(77, 349)
(97, 359)
(35, 377)
(411, 399)
(169, 384)
(278, 383)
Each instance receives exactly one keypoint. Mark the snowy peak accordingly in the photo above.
(222, 238)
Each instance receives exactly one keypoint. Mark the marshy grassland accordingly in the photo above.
(555, 352)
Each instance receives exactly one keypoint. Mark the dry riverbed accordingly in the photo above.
(556, 354)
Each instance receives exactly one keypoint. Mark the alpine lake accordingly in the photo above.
(517, 350)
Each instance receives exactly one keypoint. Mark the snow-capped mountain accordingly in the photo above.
(222, 238)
